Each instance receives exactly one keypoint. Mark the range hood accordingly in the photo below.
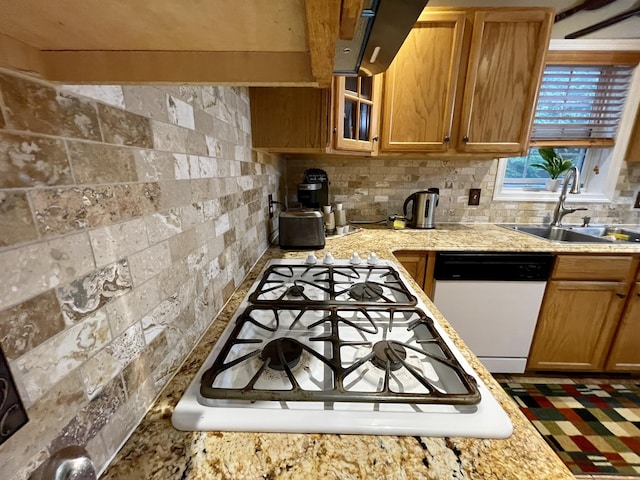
(381, 31)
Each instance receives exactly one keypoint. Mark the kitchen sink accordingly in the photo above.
(576, 234)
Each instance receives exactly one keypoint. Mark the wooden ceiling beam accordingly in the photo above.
(152, 67)
(349, 16)
(323, 25)
(19, 56)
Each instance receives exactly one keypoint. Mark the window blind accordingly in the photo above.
(581, 102)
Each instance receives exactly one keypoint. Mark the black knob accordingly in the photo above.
(621, 295)
(375, 139)
(335, 130)
(447, 138)
(465, 139)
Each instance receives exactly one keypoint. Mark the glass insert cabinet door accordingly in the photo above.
(356, 121)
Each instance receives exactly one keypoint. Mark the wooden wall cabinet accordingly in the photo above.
(581, 311)
(466, 81)
(310, 120)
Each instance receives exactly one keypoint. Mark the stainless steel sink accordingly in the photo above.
(558, 234)
(576, 234)
(614, 233)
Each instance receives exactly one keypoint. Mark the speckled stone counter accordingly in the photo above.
(157, 451)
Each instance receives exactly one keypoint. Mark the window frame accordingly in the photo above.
(606, 187)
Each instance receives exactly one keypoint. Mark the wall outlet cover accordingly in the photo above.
(636, 204)
(474, 196)
(13, 416)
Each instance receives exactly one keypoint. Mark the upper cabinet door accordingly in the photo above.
(420, 85)
(357, 101)
(506, 61)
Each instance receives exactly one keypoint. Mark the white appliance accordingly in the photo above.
(493, 300)
(337, 346)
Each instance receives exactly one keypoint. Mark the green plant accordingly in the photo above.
(553, 163)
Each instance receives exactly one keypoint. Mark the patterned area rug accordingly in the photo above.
(595, 429)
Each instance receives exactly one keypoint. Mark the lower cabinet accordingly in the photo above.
(420, 265)
(625, 350)
(588, 313)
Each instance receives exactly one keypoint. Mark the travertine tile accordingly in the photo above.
(196, 143)
(124, 128)
(38, 108)
(64, 210)
(138, 199)
(149, 262)
(146, 100)
(154, 166)
(93, 163)
(162, 225)
(89, 293)
(168, 137)
(175, 193)
(42, 367)
(183, 244)
(132, 306)
(29, 161)
(180, 113)
(117, 241)
(47, 415)
(99, 370)
(128, 345)
(93, 417)
(111, 94)
(28, 271)
(30, 323)
(16, 222)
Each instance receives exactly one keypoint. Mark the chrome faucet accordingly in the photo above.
(560, 210)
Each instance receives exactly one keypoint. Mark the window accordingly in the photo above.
(578, 113)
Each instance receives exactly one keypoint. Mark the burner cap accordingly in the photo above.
(365, 291)
(291, 352)
(385, 351)
(295, 291)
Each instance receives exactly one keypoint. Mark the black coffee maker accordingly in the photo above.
(313, 192)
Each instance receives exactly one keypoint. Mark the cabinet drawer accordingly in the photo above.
(590, 267)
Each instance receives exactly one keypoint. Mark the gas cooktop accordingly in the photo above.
(337, 346)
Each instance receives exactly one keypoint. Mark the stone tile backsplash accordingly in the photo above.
(373, 187)
(128, 216)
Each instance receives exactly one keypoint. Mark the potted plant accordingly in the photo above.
(554, 165)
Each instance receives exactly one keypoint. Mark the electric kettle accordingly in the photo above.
(424, 208)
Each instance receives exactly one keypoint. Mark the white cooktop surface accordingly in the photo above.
(484, 420)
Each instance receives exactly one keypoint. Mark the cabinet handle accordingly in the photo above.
(447, 138)
(375, 139)
(335, 130)
(465, 139)
(621, 295)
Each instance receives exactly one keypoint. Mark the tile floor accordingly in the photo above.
(575, 378)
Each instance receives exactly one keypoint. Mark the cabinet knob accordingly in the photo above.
(621, 295)
(447, 138)
(465, 139)
(375, 139)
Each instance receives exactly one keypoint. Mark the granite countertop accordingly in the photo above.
(157, 451)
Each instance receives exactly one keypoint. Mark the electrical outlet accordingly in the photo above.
(474, 196)
(637, 202)
(270, 206)
(13, 416)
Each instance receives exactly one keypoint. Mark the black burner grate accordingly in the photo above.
(332, 285)
(268, 340)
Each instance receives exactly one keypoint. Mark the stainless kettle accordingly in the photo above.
(424, 208)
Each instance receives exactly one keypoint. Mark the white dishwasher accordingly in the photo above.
(492, 299)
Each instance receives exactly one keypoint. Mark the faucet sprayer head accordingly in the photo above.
(575, 187)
